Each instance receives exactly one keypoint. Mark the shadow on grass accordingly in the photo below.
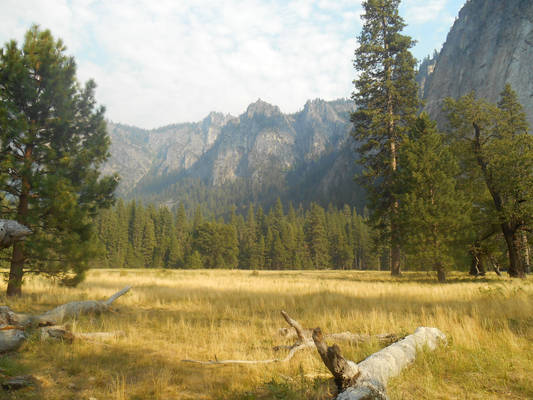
(11, 367)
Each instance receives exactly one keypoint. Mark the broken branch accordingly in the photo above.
(303, 341)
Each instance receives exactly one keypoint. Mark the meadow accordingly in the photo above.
(171, 315)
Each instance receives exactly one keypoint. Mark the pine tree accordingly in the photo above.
(248, 241)
(257, 260)
(501, 152)
(53, 141)
(148, 243)
(386, 100)
(432, 211)
(122, 234)
(174, 255)
(136, 227)
(317, 237)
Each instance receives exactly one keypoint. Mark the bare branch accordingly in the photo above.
(289, 356)
(296, 325)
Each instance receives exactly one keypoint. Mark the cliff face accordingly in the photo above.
(305, 154)
(137, 153)
(489, 45)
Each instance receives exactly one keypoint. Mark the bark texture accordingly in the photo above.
(367, 380)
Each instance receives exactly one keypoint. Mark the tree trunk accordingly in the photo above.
(441, 273)
(395, 259)
(525, 248)
(16, 272)
(512, 239)
(477, 267)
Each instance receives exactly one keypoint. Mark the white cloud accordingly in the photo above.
(167, 61)
(158, 62)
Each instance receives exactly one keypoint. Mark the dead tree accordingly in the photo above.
(367, 380)
(14, 327)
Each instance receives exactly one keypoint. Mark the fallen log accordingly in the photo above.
(76, 308)
(60, 332)
(18, 382)
(13, 326)
(367, 380)
(11, 339)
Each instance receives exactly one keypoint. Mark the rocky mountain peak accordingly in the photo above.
(263, 108)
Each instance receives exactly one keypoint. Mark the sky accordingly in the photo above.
(158, 62)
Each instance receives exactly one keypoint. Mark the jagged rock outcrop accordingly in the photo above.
(263, 148)
(136, 153)
(489, 45)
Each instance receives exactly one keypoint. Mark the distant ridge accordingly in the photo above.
(257, 156)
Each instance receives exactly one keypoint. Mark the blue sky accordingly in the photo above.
(158, 62)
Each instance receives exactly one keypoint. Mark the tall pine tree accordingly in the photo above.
(386, 100)
(432, 210)
(53, 140)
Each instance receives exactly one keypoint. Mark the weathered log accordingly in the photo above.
(9, 317)
(76, 308)
(367, 380)
(11, 339)
(11, 231)
(13, 325)
(296, 326)
(60, 332)
(18, 382)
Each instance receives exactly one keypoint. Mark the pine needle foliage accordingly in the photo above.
(53, 140)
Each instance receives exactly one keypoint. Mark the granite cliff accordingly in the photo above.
(489, 45)
(261, 154)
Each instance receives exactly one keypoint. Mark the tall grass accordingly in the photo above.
(173, 315)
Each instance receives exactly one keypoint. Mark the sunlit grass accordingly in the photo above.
(173, 315)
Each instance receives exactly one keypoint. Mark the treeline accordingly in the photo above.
(133, 235)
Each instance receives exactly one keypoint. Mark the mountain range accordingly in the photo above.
(309, 156)
(257, 156)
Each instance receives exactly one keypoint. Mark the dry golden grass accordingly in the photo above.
(175, 315)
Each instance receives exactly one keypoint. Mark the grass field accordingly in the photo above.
(173, 315)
